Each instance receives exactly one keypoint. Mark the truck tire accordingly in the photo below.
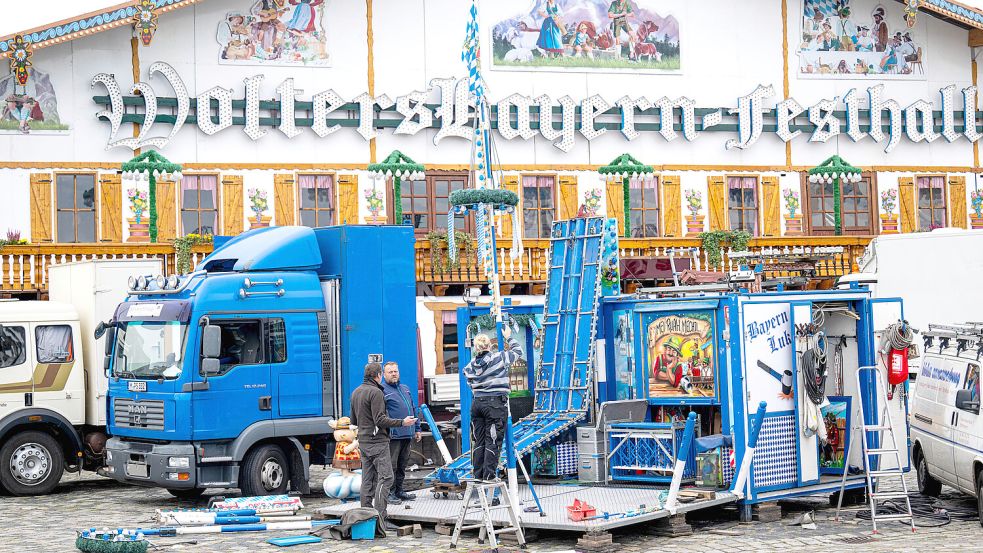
(187, 494)
(265, 471)
(927, 485)
(31, 463)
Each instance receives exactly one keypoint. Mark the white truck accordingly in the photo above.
(937, 274)
(52, 379)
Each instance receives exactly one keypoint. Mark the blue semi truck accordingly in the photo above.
(227, 377)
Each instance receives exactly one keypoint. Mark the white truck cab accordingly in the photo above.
(946, 426)
(52, 381)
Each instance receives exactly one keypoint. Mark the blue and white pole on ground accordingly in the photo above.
(441, 446)
(740, 483)
(681, 455)
(199, 518)
(170, 531)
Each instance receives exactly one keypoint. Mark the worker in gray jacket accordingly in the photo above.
(369, 414)
(488, 376)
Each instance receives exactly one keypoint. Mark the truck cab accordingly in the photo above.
(227, 378)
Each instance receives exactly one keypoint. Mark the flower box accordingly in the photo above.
(694, 224)
(139, 232)
(793, 225)
(889, 223)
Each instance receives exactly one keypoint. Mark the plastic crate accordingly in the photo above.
(364, 530)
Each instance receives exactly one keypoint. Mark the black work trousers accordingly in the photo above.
(399, 453)
(488, 416)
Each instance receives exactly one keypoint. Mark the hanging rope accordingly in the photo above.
(899, 336)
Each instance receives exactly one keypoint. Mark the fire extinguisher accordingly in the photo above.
(897, 339)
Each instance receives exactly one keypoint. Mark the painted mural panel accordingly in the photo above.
(586, 35)
(30, 104)
(860, 39)
(679, 354)
(275, 32)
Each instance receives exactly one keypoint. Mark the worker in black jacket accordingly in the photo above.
(369, 414)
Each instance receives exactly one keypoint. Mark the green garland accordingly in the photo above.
(397, 201)
(487, 322)
(439, 260)
(714, 239)
(625, 164)
(398, 165)
(149, 162)
(182, 249)
(837, 208)
(626, 197)
(835, 166)
(495, 196)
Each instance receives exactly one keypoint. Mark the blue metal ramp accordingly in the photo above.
(564, 378)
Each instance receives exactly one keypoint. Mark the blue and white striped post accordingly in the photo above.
(681, 455)
(441, 446)
(170, 531)
(740, 483)
(510, 460)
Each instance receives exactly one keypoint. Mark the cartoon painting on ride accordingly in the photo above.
(585, 35)
(679, 354)
(274, 32)
(855, 39)
(29, 106)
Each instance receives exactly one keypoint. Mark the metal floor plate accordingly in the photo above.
(555, 499)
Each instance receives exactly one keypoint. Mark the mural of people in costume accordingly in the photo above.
(275, 32)
(680, 355)
(30, 107)
(585, 35)
(839, 40)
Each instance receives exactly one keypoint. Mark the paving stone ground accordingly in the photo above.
(43, 524)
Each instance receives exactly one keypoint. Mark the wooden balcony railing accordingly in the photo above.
(531, 265)
(25, 268)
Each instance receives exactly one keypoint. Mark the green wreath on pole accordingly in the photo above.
(499, 197)
(398, 166)
(835, 170)
(150, 166)
(625, 167)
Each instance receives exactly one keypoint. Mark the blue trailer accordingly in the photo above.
(227, 377)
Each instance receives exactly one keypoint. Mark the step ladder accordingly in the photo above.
(880, 427)
(482, 492)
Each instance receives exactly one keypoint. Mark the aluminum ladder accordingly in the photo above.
(872, 467)
(481, 491)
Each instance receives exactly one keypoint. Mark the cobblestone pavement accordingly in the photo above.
(32, 524)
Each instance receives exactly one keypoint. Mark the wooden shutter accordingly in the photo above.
(511, 182)
(347, 200)
(672, 206)
(906, 204)
(616, 203)
(957, 202)
(111, 208)
(284, 199)
(166, 212)
(771, 212)
(232, 207)
(716, 203)
(569, 203)
(41, 207)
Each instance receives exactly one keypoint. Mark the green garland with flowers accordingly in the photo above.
(439, 258)
(714, 239)
(182, 250)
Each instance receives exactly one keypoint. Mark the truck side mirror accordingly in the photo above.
(211, 341)
(110, 333)
(965, 401)
(210, 366)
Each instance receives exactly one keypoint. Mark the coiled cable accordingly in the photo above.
(924, 508)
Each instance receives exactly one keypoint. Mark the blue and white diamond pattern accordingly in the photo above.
(728, 470)
(566, 458)
(775, 458)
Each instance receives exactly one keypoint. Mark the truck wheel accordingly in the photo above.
(926, 484)
(187, 494)
(31, 463)
(265, 471)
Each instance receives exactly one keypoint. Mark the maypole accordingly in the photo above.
(485, 199)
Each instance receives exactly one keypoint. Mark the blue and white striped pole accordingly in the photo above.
(441, 446)
(681, 455)
(170, 531)
(742, 475)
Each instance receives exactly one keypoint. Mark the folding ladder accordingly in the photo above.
(872, 456)
(481, 490)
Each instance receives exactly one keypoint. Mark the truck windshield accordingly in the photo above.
(152, 350)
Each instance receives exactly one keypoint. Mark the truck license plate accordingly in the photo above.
(136, 386)
(138, 470)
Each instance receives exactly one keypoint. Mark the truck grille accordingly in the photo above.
(148, 414)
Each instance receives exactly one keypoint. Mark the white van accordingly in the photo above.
(946, 427)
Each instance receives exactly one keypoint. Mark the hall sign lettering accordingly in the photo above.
(858, 114)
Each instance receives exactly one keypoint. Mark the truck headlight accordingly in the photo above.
(178, 462)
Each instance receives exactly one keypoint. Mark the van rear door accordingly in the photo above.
(966, 431)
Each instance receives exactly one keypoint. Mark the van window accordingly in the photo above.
(972, 382)
(242, 344)
(54, 344)
(928, 386)
(13, 347)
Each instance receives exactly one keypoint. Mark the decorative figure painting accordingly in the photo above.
(275, 32)
(836, 417)
(624, 369)
(679, 355)
(29, 104)
(857, 39)
(586, 35)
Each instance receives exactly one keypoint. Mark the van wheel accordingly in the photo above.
(979, 496)
(187, 494)
(31, 463)
(926, 484)
(265, 471)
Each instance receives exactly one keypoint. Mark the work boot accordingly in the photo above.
(393, 500)
(405, 496)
